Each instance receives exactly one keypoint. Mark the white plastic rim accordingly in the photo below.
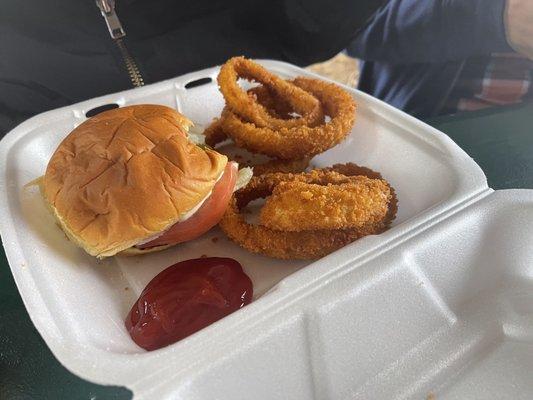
(78, 304)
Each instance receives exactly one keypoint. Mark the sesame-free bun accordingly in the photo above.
(126, 175)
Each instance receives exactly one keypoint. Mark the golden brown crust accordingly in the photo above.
(244, 105)
(299, 206)
(300, 141)
(276, 106)
(214, 133)
(307, 244)
(127, 174)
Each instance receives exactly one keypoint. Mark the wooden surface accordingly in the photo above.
(340, 68)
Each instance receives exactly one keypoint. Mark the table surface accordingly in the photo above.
(501, 142)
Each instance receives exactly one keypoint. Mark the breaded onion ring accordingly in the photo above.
(275, 105)
(244, 105)
(215, 135)
(302, 141)
(307, 244)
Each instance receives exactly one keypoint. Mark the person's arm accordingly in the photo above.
(519, 26)
(306, 31)
(425, 31)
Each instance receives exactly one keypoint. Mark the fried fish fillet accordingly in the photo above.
(300, 206)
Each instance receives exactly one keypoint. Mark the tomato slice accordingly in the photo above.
(207, 216)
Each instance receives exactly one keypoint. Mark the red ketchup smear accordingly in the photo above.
(185, 298)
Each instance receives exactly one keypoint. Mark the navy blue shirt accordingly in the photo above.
(413, 51)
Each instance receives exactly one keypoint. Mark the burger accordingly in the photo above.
(131, 181)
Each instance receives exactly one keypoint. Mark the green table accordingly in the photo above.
(500, 141)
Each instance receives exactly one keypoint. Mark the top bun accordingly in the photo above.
(127, 174)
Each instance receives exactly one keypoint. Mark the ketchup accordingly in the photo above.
(185, 298)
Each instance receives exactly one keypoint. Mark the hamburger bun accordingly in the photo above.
(126, 175)
(134, 251)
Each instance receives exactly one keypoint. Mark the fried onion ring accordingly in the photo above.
(301, 141)
(307, 244)
(245, 106)
(275, 105)
(215, 135)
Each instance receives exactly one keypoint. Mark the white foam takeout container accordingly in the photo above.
(440, 305)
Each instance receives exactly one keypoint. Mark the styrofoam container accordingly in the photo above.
(440, 305)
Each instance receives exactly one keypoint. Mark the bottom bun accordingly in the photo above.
(132, 251)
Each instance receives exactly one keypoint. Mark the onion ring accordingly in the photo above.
(241, 103)
(215, 135)
(307, 244)
(275, 105)
(302, 141)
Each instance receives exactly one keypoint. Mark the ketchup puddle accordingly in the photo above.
(187, 297)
